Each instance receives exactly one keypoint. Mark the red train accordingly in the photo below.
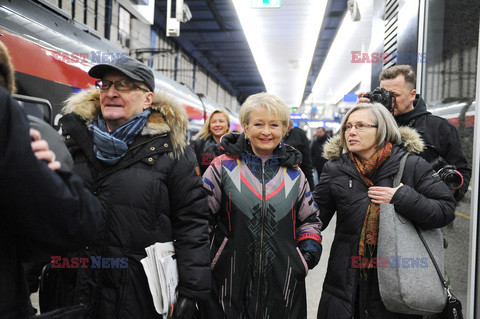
(52, 55)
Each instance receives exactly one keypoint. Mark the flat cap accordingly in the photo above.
(127, 65)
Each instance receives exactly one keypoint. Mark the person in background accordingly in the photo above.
(265, 226)
(297, 138)
(439, 135)
(129, 145)
(206, 142)
(317, 150)
(44, 211)
(358, 178)
(56, 144)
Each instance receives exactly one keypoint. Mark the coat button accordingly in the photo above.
(165, 145)
(150, 160)
(67, 137)
(152, 148)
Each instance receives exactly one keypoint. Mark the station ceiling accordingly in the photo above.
(214, 37)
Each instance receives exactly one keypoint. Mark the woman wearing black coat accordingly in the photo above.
(206, 143)
(353, 184)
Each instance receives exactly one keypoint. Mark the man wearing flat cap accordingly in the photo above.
(129, 145)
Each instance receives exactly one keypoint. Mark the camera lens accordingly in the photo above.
(451, 178)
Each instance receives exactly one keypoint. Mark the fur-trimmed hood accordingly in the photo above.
(167, 116)
(412, 142)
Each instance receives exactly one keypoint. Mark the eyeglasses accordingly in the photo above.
(122, 85)
(359, 127)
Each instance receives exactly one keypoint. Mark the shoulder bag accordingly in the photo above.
(407, 275)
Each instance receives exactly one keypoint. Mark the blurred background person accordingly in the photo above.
(356, 180)
(43, 212)
(129, 146)
(266, 229)
(206, 142)
(317, 150)
(297, 138)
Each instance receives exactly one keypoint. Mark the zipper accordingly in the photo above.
(261, 238)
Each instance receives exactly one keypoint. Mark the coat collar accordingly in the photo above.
(167, 116)
(411, 142)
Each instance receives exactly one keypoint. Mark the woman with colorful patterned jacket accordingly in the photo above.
(265, 226)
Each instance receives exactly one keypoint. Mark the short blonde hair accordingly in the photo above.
(205, 131)
(387, 130)
(268, 102)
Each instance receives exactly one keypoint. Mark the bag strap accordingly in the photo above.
(398, 176)
(396, 182)
(442, 279)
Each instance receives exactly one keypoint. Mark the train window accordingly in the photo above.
(37, 107)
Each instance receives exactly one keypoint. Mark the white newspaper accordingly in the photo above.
(161, 269)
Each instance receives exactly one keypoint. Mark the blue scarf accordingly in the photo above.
(110, 147)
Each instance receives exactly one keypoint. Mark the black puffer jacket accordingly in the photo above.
(206, 149)
(43, 213)
(297, 138)
(152, 195)
(424, 199)
(440, 138)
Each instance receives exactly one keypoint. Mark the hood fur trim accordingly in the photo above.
(412, 142)
(167, 116)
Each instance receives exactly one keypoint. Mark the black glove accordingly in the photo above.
(184, 308)
(309, 259)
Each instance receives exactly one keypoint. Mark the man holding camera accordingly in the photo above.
(443, 148)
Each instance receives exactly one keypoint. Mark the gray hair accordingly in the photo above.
(266, 101)
(387, 130)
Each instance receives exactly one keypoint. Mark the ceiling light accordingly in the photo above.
(282, 41)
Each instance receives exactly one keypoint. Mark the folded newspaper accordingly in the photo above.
(160, 267)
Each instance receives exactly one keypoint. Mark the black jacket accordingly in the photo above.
(43, 213)
(206, 149)
(297, 138)
(440, 138)
(317, 153)
(424, 199)
(152, 195)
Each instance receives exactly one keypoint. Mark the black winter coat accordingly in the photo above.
(440, 138)
(43, 213)
(424, 199)
(206, 149)
(152, 195)
(297, 138)
(317, 153)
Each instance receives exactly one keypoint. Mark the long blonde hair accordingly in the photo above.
(205, 131)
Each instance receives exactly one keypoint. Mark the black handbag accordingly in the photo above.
(453, 308)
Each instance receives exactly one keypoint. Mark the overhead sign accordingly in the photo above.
(265, 3)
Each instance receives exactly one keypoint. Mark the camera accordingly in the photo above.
(448, 173)
(383, 97)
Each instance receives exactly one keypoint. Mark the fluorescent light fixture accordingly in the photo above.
(339, 74)
(282, 41)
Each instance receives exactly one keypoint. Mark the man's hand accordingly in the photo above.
(362, 99)
(382, 195)
(41, 150)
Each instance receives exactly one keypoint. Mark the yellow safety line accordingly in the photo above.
(462, 215)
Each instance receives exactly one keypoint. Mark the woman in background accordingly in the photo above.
(357, 179)
(266, 229)
(206, 142)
